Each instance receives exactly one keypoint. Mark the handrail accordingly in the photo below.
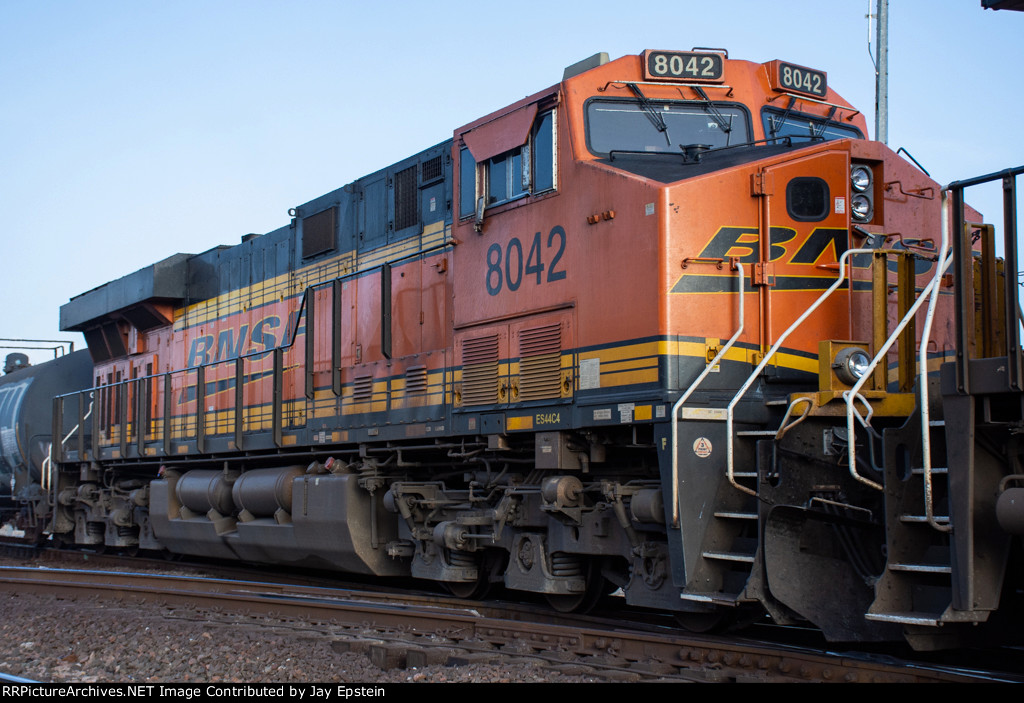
(46, 467)
(929, 293)
(768, 356)
(926, 436)
(693, 386)
(288, 341)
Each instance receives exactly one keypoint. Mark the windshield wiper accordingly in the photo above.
(717, 116)
(777, 123)
(653, 115)
(819, 133)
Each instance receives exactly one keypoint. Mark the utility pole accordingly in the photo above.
(882, 73)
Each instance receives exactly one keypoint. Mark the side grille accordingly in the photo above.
(362, 388)
(416, 380)
(480, 370)
(406, 211)
(431, 169)
(318, 232)
(540, 360)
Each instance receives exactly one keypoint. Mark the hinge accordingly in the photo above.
(762, 183)
(764, 274)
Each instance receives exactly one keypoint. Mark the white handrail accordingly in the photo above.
(693, 386)
(45, 468)
(771, 352)
(929, 293)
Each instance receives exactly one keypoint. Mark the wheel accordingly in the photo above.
(469, 590)
(703, 622)
(597, 587)
(719, 620)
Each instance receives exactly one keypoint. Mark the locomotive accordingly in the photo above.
(672, 329)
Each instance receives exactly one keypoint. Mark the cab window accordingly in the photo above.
(529, 169)
(783, 123)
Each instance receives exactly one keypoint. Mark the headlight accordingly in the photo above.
(851, 364)
(860, 178)
(860, 207)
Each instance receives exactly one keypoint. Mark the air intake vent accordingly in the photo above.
(406, 212)
(540, 359)
(431, 169)
(362, 388)
(480, 370)
(416, 380)
(318, 232)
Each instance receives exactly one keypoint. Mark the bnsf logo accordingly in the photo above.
(822, 246)
(743, 243)
(231, 343)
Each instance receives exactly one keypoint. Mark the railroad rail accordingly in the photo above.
(408, 630)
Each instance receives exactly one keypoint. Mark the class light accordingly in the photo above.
(860, 208)
(860, 178)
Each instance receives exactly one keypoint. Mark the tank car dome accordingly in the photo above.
(15, 361)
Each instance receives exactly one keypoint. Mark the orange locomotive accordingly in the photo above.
(617, 337)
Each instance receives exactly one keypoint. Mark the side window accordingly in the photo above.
(543, 149)
(506, 177)
(528, 169)
(467, 183)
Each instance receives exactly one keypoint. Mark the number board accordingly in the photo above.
(798, 79)
(683, 65)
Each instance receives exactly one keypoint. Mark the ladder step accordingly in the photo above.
(776, 402)
(941, 519)
(731, 599)
(910, 618)
(940, 470)
(936, 423)
(737, 516)
(757, 433)
(744, 474)
(729, 556)
(921, 568)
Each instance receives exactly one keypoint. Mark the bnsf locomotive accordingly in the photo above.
(672, 328)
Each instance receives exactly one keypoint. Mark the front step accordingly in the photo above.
(917, 587)
(729, 556)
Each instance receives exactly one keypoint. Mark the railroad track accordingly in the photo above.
(415, 630)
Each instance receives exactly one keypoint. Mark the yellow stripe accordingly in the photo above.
(292, 283)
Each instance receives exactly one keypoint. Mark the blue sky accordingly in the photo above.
(133, 129)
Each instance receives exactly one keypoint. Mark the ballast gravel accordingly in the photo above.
(52, 640)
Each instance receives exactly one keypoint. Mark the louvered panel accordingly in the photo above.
(540, 377)
(540, 351)
(362, 388)
(480, 370)
(416, 380)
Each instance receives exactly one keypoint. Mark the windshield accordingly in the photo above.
(662, 126)
(779, 123)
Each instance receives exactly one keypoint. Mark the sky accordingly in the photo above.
(131, 130)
